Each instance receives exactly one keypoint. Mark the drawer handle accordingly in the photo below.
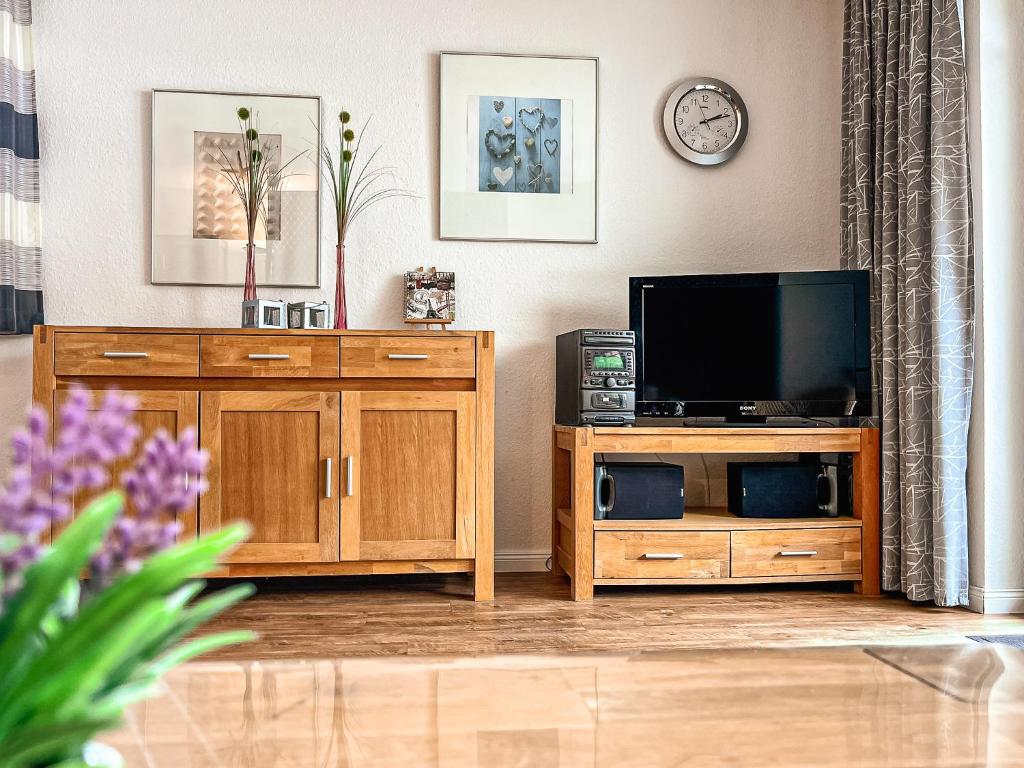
(662, 556)
(395, 356)
(255, 356)
(125, 355)
(349, 480)
(329, 476)
(798, 553)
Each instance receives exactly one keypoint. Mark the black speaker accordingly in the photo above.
(775, 489)
(638, 491)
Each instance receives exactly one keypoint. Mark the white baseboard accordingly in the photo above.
(521, 562)
(981, 600)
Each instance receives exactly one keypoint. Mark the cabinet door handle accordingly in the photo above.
(125, 355)
(329, 476)
(255, 356)
(349, 480)
(798, 553)
(662, 556)
(396, 356)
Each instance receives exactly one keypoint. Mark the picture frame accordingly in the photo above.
(429, 296)
(197, 224)
(518, 147)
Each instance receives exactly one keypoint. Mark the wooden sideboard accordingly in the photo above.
(711, 546)
(347, 452)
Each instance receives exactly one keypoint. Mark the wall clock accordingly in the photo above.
(705, 120)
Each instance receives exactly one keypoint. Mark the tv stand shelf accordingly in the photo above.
(710, 545)
(720, 519)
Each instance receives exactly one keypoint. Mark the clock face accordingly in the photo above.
(705, 121)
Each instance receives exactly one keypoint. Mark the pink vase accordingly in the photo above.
(340, 313)
(250, 272)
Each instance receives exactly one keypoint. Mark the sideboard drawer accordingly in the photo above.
(126, 354)
(797, 552)
(646, 555)
(269, 356)
(422, 357)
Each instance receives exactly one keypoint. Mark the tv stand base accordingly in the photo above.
(711, 546)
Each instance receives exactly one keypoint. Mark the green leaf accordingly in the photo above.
(47, 578)
(175, 603)
(203, 610)
(40, 746)
(60, 686)
(120, 606)
(137, 675)
(159, 575)
(198, 647)
(75, 678)
(63, 609)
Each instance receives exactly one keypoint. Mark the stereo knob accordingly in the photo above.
(610, 382)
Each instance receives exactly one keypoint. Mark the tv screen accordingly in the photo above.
(775, 344)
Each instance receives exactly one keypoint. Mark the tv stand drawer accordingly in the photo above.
(796, 552)
(670, 555)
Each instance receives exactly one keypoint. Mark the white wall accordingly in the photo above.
(995, 47)
(774, 207)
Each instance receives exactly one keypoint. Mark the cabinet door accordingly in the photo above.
(408, 475)
(273, 457)
(170, 411)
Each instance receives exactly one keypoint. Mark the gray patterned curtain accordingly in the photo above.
(21, 294)
(906, 216)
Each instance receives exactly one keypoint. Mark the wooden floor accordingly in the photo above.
(945, 706)
(531, 613)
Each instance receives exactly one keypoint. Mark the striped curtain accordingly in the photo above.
(21, 295)
(906, 216)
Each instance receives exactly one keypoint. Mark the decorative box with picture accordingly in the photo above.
(518, 147)
(429, 297)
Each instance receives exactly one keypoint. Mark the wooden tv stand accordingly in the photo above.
(711, 546)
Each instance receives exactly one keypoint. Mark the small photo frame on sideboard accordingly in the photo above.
(429, 295)
(518, 147)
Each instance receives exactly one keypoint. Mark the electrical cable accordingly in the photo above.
(707, 480)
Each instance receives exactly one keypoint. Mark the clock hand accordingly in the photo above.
(704, 115)
(716, 117)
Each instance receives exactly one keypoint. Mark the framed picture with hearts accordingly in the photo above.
(518, 147)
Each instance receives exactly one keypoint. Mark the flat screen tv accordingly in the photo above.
(748, 346)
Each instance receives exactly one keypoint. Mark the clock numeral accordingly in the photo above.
(685, 109)
(704, 97)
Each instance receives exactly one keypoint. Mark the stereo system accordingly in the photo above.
(595, 378)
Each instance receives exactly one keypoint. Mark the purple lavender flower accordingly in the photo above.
(45, 478)
(167, 478)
